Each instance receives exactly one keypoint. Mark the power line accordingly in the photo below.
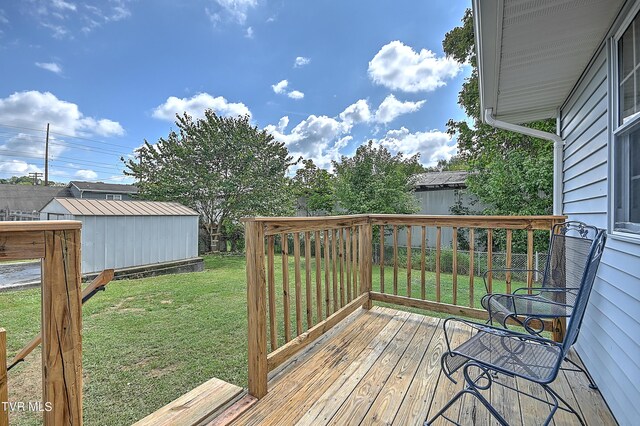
(103, 167)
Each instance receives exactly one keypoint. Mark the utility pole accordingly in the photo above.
(46, 159)
(35, 176)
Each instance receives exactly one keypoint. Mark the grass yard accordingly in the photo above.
(148, 341)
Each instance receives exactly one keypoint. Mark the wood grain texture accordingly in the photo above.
(423, 264)
(454, 266)
(234, 411)
(195, 406)
(18, 245)
(530, 259)
(366, 261)
(381, 258)
(438, 255)
(508, 260)
(334, 269)
(490, 259)
(256, 309)
(395, 259)
(327, 268)
(307, 278)
(355, 250)
(39, 225)
(318, 277)
(341, 255)
(62, 328)
(4, 385)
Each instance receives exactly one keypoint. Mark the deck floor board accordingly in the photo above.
(384, 368)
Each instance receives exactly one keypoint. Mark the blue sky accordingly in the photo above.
(321, 76)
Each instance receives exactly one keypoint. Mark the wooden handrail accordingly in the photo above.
(337, 253)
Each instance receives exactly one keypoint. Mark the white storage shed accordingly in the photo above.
(125, 234)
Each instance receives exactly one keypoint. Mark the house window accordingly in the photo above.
(626, 142)
(114, 197)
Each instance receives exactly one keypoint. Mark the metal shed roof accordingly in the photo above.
(450, 179)
(531, 52)
(84, 207)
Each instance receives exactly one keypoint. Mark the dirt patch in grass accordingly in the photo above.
(25, 385)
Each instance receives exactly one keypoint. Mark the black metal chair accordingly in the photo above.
(569, 247)
(492, 351)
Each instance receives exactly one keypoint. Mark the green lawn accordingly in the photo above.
(148, 341)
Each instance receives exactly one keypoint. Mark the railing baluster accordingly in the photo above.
(271, 282)
(354, 253)
(409, 261)
(341, 255)
(327, 284)
(307, 270)
(508, 262)
(318, 277)
(395, 259)
(454, 264)
(423, 263)
(472, 265)
(256, 313)
(381, 258)
(334, 256)
(438, 252)
(490, 259)
(529, 258)
(285, 287)
(347, 261)
(296, 264)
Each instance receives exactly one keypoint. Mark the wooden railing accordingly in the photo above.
(305, 275)
(57, 243)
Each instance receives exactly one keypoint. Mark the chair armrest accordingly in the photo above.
(484, 276)
(498, 331)
(548, 289)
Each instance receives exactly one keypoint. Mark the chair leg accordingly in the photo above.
(592, 384)
(566, 404)
(473, 392)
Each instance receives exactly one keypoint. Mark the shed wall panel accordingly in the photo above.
(609, 343)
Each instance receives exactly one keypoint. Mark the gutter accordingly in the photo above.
(557, 151)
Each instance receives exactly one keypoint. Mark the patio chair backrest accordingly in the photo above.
(582, 299)
(569, 248)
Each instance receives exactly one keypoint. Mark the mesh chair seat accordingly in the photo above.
(506, 351)
(501, 306)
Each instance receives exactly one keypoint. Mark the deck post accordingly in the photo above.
(62, 328)
(256, 305)
(366, 260)
(4, 390)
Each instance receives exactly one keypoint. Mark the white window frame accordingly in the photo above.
(114, 197)
(619, 131)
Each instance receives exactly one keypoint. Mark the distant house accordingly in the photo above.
(437, 193)
(23, 202)
(102, 191)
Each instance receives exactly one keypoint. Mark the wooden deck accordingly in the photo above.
(383, 367)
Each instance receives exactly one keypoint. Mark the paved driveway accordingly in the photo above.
(19, 273)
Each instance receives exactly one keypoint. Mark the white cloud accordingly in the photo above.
(358, 112)
(196, 106)
(391, 108)
(235, 10)
(3, 18)
(295, 94)
(283, 123)
(249, 33)
(86, 174)
(63, 5)
(17, 167)
(280, 87)
(432, 146)
(399, 67)
(27, 108)
(50, 66)
(301, 61)
(315, 137)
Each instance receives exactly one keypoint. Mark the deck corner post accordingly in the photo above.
(257, 309)
(366, 260)
(4, 390)
(62, 328)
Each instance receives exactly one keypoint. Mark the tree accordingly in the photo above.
(374, 181)
(313, 188)
(510, 173)
(222, 167)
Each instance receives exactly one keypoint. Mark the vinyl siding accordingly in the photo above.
(609, 342)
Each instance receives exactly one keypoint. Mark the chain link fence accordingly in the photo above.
(480, 261)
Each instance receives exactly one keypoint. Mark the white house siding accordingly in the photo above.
(609, 342)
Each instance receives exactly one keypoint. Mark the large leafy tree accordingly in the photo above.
(512, 174)
(314, 189)
(374, 181)
(223, 167)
